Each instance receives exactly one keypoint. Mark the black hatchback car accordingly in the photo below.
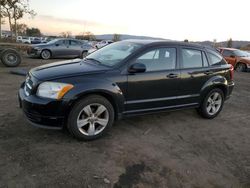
(122, 79)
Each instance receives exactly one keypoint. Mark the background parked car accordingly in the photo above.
(24, 39)
(36, 40)
(103, 43)
(60, 48)
(238, 58)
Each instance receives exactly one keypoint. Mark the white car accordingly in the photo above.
(103, 43)
(24, 39)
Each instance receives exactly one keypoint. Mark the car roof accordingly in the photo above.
(167, 42)
(67, 39)
(223, 48)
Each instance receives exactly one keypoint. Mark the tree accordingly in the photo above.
(230, 43)
(15, 10)
(186, 40)
(33, 32)
(87, 36)
(2, 4)
(66, 34)
(116, 37)
(20, 29)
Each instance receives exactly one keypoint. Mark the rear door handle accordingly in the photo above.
(172, 75)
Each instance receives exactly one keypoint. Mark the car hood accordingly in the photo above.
(40, 45)
(68, 68)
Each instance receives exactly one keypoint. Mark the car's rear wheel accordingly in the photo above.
(90, 118)
(45, 54)
(84, 54)
(241, 67)
(212, 104)
(11, 58)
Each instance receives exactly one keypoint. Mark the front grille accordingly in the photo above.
(28, 85)
(31, 51)
(33, 117)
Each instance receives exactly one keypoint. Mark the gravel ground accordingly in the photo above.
(173, 149)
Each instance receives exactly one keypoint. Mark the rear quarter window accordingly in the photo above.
(215, 58)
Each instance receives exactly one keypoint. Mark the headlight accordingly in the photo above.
(37, 48)
(53, 90)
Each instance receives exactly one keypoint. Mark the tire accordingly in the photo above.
(84, 54)
(84, 123)
(11, 58)
(205, 111)
(45, 54)
(241, 67)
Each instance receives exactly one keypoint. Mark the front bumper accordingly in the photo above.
(33, 52)
(43, 113)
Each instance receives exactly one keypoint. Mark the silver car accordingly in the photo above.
(59, 48)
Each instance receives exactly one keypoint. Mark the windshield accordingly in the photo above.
(240, 53)
(114, 53)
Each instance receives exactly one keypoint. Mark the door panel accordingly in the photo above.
(195, 72)
(75, 48)
(156, 87)
(62, 49)
(152, 90)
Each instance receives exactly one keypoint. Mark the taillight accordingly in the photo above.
(232, 72)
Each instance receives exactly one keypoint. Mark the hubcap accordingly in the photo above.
(11, 58)
(92, 119)
(214, 103)
(45, 54)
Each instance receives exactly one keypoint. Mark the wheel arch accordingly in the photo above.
(215, 82)
(236, 64)
(114, 100)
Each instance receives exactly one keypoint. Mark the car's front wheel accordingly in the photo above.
(90, 118)
(212, 104)
(45, 54)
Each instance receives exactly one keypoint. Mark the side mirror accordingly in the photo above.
(57, 44)
(232, 56)
(137, 67)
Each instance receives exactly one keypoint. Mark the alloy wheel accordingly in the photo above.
(45, 54)
(92, 119)
(214, 103)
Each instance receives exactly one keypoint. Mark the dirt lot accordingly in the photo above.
(177, 149)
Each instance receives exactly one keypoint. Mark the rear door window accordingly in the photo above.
(191, 58)
(75, 43)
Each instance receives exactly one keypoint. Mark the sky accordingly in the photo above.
(195, 20)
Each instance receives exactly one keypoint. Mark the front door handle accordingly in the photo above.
(172, 75)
